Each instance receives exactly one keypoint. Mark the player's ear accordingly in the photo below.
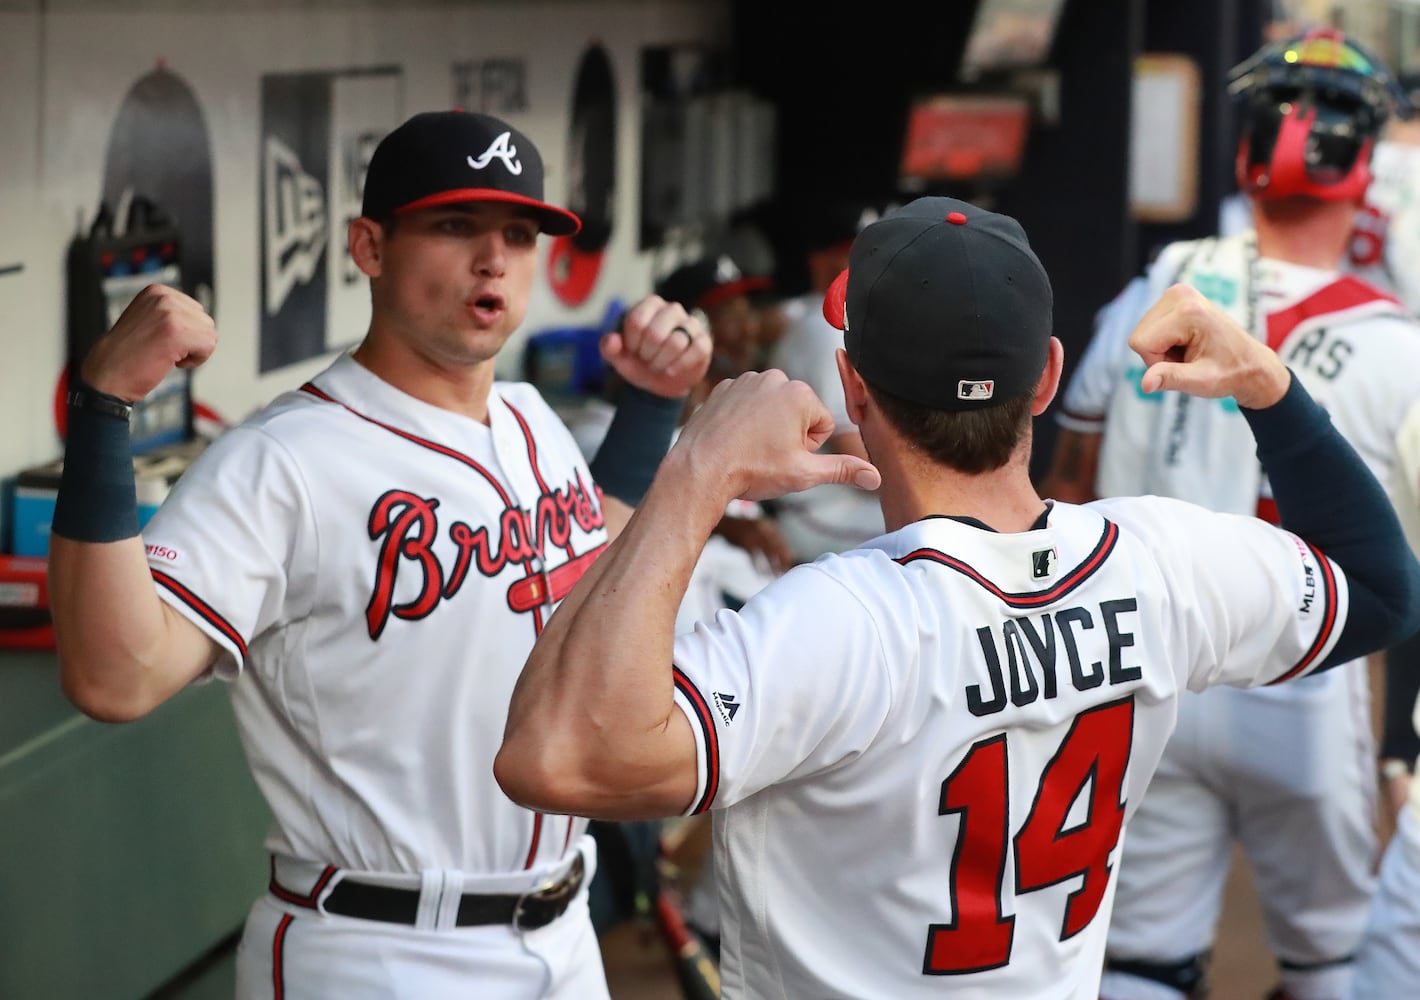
(366, 239)
(1049, 382)
(855, 391)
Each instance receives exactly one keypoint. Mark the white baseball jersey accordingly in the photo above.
(831, 517)
(375, 570)
(1353, 347)
(926, 750)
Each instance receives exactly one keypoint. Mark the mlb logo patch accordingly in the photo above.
(967, 389)
(1042, 563)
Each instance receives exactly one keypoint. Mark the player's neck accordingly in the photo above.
(915, 488)
(1304, 231)
(462, 389)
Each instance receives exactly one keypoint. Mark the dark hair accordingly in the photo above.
(970, 441)
(388, 223)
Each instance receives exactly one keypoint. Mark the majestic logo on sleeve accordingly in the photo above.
(499, 149)
(727, 706)
(406, 526)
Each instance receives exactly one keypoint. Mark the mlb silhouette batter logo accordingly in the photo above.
(967, 389)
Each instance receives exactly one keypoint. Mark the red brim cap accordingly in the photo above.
(551, 220)
(835, 302)
(730, 289)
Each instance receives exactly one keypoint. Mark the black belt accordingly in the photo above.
(529, 911)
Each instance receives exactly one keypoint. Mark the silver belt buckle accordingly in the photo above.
(541, 906)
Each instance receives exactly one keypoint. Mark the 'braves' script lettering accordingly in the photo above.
(406, 527)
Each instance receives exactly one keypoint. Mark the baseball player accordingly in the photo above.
(924, 752)
(831, 517)
(1244, 763)
(1388, 960)
(367, 561)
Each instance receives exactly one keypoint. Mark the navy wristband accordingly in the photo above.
(637, 440)
(98, 497)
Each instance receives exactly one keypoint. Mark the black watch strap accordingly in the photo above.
(86, 397)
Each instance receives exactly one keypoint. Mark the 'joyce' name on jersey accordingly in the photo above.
(1030, 647)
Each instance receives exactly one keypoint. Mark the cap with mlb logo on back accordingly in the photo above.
(452, 157)
(944, 305)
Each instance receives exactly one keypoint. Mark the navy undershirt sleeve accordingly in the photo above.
(1402, 687)
(1327, 496)
(637, 440)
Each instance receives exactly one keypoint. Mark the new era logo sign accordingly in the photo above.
(727, 706)
(967, 389)
(1042, 563)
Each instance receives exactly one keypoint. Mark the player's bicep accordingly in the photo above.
(1270, 607)
(770, 699)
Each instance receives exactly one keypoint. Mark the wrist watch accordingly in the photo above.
(86, 397)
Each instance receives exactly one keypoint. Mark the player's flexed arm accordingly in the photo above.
(662, 352)
(1324, 492)
(593, 728)
(122, 650)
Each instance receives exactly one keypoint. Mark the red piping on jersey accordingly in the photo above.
(416, 439)
(310, 900)
(1328, 623)
(526, 594)
(202, 608)
(712, 740)
(537, 835)
(1077, 576)
(532, 461)
(1345, 293)
(278, 945)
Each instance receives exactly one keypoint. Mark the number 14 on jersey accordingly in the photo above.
(1095, 752)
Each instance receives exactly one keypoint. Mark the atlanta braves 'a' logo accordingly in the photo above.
(406, 526)
(500, 148)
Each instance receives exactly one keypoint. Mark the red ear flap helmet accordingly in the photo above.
(1313, 107)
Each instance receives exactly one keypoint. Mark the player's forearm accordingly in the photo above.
(592, 727)
(112, 633)
(1327, 495)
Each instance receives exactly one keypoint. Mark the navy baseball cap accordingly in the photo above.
(944, 305)
(450, 157)
(705, 282)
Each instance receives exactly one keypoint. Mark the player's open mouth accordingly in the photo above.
(486, 307)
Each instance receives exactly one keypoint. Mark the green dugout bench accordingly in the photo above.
(127, 852)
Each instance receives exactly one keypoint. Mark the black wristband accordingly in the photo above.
(86, 397)
(98, 497)
(635, 443)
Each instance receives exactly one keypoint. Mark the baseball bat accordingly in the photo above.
(698, 975)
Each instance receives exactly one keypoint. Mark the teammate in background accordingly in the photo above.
(1245, 764)
(368, 560)
(832, 517)
(926, 749)
(1388, 961)
(1385, 243)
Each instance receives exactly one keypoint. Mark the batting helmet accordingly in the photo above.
(1313, 109)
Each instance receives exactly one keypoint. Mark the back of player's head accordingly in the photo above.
(945, 309)
(1313, 107)
(944, 305)
(453, 157)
